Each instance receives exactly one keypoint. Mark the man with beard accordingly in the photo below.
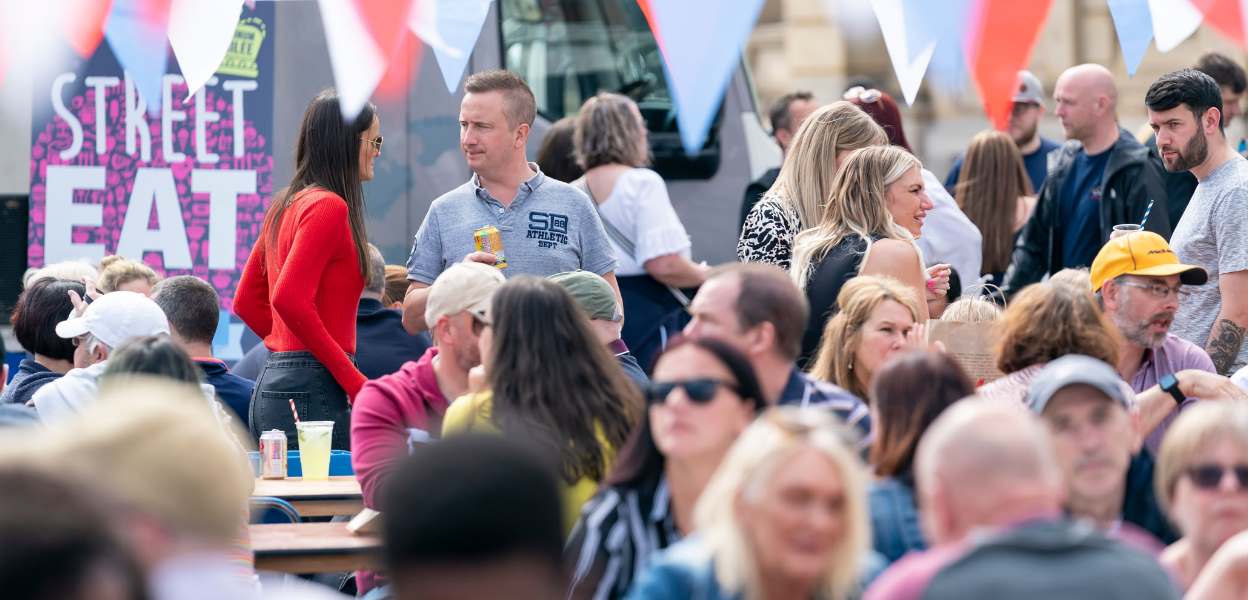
(1185, 111)
(1232, 81)
(1139, 282)
(1023, 128)
(1100, 178)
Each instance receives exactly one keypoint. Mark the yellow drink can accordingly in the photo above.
(489, 239)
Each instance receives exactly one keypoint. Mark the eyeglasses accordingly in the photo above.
(479, 323)
(862, 94)
(699, 391)
(376, 142)
(1209, 476)
(1159, 291)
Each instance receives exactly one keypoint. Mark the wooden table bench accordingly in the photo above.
(326, 498)
(312, 548)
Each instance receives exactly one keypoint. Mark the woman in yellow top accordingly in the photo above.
(550, 383)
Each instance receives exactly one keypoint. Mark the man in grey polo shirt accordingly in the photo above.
(546, 226)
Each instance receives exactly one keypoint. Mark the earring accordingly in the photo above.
(851, 364)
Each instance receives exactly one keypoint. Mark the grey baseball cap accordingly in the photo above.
(1075, 369)
(1029, 89)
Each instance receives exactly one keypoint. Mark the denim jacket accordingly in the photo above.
(894, 518)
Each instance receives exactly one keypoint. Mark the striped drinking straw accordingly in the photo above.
(1147, 210)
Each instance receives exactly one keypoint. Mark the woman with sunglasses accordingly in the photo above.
(785, 516)
(304, 276)
(1202, 483)
(703, 394)
(549, 382)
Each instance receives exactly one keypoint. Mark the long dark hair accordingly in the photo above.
(910, 391)
(992, 179)
(640, 461)
(327, 155)
(553, 381)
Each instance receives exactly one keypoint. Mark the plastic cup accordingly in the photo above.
(1124, 229)
(314, 444)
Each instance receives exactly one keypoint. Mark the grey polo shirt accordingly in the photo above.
(550, 227)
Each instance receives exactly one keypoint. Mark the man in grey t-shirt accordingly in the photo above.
(546, 226)
(1185, 111)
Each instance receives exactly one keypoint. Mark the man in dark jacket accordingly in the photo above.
(1100, 178)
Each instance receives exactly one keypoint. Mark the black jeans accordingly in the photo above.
(300, 377)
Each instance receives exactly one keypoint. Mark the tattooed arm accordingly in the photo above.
(1227, 335)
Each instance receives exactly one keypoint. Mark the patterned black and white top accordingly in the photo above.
(768, 233)
(620, 530)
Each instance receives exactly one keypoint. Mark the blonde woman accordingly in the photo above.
(120, 274)
(875, 212)
(1202, 483)
(798, 198)
(754, 539)
(995, 193)
(649, 241)
(878, 318)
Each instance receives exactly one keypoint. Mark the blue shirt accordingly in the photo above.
(1079, 225)
(549, 227)
(1036, 163)
(803, 390)
(233, 390)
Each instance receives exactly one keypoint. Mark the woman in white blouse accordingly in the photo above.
(650, 242)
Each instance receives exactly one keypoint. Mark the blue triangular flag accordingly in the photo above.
(140, 47)
(701, 42)
(1134, 24)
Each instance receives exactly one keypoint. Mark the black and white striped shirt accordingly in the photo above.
(620, 530)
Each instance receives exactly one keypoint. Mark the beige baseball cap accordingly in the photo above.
(464, 286)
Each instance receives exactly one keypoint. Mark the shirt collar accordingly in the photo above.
(617, 347)
(794, 388)
(529, 185)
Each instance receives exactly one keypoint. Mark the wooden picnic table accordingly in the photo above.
(312, 548)
(326, 498)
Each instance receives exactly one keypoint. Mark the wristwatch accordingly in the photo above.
(1170, 384)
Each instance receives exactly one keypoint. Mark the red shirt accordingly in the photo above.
(302, 292)
(390, 414)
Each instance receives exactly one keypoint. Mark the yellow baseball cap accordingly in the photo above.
(1142, 253)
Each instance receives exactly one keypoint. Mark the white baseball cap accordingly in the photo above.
(464, 286)
(116, 317)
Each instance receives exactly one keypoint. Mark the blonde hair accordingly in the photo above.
(857, 299)
(989, 185)
(1197, 428)
(971, 310)
(856, 205)
(116, 271)
(745, 475)
(157, 448)
(608, 132)
(807, 174)
(1080, 279)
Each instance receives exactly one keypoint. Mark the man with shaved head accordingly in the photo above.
(991, 496)
(1100, 178)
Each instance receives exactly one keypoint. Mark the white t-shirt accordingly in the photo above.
(640, 208)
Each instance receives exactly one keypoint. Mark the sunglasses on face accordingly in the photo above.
(377, 142)
(699, 391)
(1209, 476)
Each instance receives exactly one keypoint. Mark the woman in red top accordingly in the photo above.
(302, 282)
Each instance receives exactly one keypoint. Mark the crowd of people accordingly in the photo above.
(553, 399)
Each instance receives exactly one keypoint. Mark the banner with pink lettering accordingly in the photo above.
(183, 188)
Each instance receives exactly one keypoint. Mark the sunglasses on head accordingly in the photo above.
(1209, 477)
(862, 94)
(699, 391)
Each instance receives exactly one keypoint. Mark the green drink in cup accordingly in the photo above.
(314, 444)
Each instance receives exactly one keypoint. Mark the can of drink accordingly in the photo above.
(489, 239)
(273, 454)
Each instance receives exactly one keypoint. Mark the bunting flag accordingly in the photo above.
(700, 60)
(1007, 33)
(200, 32)
(451, 29)
(908, 63)
(136, 31)
(362, 37)
(1173, 22)
(1134, 25)
(84, 24)
(1227, 17)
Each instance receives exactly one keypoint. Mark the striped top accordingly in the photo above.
(620, 530)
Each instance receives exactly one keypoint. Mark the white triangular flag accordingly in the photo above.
(200, 32)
